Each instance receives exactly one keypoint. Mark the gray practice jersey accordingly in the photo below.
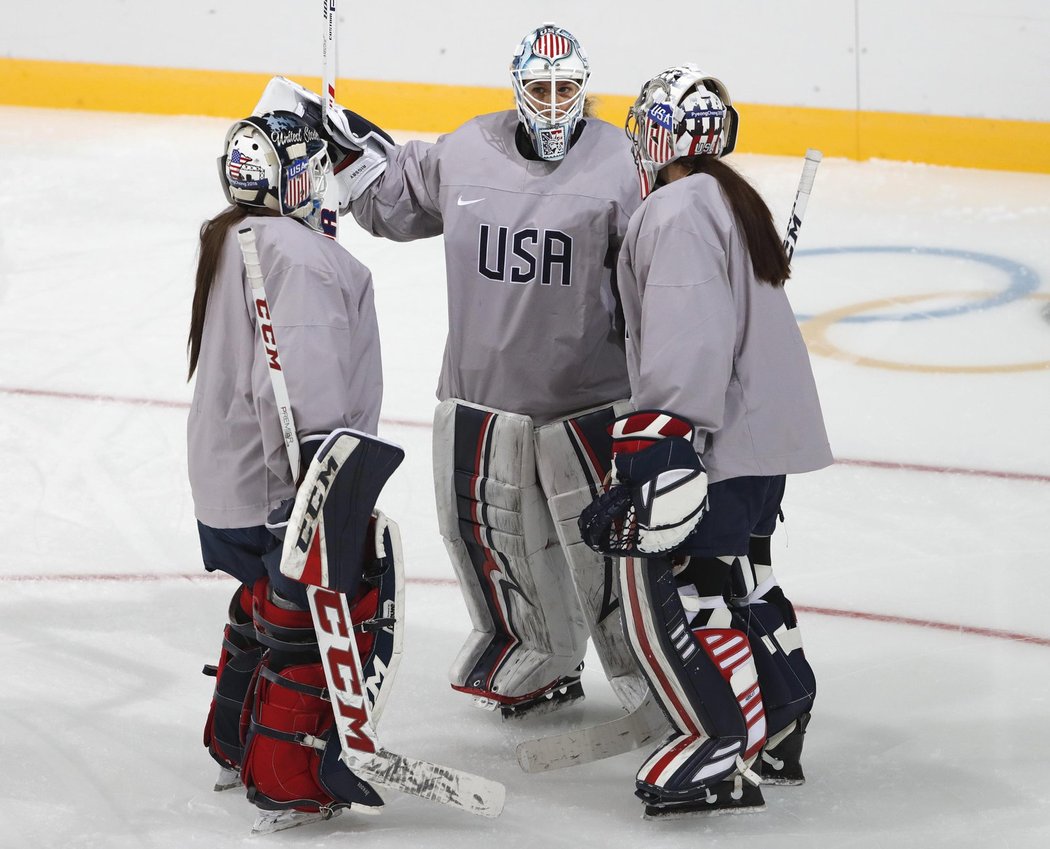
(707, 340)
(321, 305)
(530, 252)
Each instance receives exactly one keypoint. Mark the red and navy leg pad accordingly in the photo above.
(291, 757)
(240, 657)
(704, 680)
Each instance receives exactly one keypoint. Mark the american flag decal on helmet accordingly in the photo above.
(704, 123)
(658, 142)
(551, 45)
(297, 184)
(234, 163)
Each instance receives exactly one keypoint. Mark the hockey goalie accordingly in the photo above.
(285, 471)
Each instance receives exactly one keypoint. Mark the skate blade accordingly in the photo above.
(546, 704)
(698, 809)
(777, 781)
(268, 822)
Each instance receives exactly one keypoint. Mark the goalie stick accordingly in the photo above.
(595, 742)
(635, 729)
(329, 61)
(352, 706)
(805, 186)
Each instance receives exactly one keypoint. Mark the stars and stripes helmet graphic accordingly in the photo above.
(549, 72)
(680, 112)
(276, 161)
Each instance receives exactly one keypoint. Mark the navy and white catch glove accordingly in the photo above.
(658, 488)
(357, 147)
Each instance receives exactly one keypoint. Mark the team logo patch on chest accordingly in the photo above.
(525, 256)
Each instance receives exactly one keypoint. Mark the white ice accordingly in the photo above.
(923, 587)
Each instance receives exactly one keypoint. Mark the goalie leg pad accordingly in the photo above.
(573, 459)
(234, 674)
(378, 614)
(788, 682)
(291, 758)
(704, 679)
(529, 633)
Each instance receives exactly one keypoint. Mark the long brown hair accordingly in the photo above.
(765, 245)
(212, 235)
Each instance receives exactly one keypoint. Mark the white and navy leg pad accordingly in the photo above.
(788, 683)
(705, 681)
(528, 632)
(573, 456)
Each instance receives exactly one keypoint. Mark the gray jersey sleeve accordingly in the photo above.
(403, 203)
(687, 326)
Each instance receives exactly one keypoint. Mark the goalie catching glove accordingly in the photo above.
(658, 488)
(358, 148)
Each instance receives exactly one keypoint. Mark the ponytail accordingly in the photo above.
(764, 244)
(212, 236)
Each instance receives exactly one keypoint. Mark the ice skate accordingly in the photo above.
(227, 779)
(732, 796)
(267, 822)
(564, 692)
(781, 759)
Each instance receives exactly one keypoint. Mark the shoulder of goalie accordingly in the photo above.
(359, 149)
(658, 491)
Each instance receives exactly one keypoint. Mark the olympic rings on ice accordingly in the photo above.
(1023, 280)
(1023, 283)
(815, 331)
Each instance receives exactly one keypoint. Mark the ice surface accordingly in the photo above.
(923, 590)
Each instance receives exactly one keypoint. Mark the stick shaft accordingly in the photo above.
(805, 186)
(329, 59)
(268, 341)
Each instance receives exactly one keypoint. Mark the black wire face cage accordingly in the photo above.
(610, 525)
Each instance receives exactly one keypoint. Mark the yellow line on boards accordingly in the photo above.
(423, 107)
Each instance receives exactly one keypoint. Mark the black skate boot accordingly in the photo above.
(732, 796)
(781, 759)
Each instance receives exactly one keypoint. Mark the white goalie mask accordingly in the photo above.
(681, 112)
(279, 162)
(549, 73)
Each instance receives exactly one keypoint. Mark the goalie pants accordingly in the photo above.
(248, 554)
(718, 641)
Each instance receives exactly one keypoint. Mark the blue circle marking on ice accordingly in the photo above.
(1023, 280)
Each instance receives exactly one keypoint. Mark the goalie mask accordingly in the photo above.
(681, 112)
(279, 162)
(550, 73)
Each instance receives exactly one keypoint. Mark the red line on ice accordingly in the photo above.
(836, 612)
(414, 423)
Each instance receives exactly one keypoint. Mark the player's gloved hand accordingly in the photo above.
(358, 148)
(658, 491)
(277, 519)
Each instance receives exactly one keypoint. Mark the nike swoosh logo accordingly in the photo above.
(461, 202)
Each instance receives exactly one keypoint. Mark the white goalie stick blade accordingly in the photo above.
(595, 743)
(444, 785)
(355, 723)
